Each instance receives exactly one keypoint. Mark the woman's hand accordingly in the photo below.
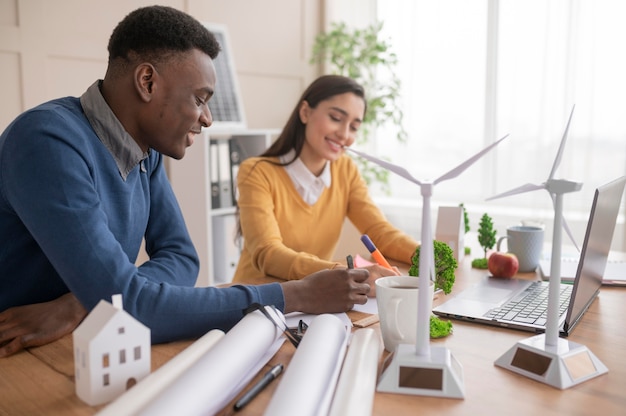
(376, 272)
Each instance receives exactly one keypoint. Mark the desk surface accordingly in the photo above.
(41, 380)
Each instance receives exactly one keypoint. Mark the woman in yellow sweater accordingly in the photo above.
(294, 198)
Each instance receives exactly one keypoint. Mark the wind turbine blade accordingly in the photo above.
(565, 226)
(559, 154)
(519, 190)
(459, 169)
(570, 235)
(390, 166)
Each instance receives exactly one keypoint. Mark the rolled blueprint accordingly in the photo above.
(220, 374)
(308, 384)
(140, 395)
(357, 382)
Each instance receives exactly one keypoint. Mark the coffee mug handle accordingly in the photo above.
(500, 241)
(395, 329)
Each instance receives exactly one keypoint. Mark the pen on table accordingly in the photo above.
(350, 261)
(258, 387)
(375, 252)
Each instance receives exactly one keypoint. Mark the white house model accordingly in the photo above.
(111, 353)
(451, 230)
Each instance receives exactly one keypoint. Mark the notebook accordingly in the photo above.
(614, 273)
(487, 301)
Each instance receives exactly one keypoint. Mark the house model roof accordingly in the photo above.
(100, 316)
(97, 319)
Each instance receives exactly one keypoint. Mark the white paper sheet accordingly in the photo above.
(357, 382)
(371, 306)
(309, 382)
(133, 400)
(218, 376)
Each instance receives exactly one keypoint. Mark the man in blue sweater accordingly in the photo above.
(82, 183)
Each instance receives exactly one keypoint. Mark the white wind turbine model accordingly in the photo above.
(423, 370)
(556, 354)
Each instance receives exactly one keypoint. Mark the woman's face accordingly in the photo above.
(328, 127)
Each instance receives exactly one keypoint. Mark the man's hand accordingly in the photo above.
(327, 291)
(38, 324)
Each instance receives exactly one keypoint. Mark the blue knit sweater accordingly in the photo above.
(71, 220)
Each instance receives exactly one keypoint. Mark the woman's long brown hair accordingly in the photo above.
(292, 135)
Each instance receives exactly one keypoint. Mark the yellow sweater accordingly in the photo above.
(286, 238)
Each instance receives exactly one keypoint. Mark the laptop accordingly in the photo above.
(488, 301)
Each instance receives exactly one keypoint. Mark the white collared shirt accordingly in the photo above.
(309, 186)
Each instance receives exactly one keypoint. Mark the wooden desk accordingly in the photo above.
(40, 381)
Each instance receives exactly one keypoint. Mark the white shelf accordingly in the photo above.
(222, 211)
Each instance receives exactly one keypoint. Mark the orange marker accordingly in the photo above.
(378, 256)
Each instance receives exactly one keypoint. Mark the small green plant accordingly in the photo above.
(479, 263)
(439, 328)
(465, 218)
(466, 221)
(486, 238)
(445, 265)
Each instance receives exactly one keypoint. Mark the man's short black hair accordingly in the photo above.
(154, 32)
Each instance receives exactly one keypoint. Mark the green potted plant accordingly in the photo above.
(363, 55)
(445, 266)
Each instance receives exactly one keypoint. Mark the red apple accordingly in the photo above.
(503, 264)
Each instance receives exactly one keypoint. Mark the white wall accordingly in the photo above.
(56, 48)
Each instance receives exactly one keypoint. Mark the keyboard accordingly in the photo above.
(531, 306)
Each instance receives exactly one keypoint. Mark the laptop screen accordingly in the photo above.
(596, 247)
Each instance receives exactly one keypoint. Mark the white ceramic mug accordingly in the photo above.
(526, 242)
(397, 298)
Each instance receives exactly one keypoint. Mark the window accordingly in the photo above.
(474, 71)
(137, 352)
(122, 356)
(105, 360)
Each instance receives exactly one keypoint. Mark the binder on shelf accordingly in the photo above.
(226, 251)
(241, 148)
(214, 174)
(225, 180)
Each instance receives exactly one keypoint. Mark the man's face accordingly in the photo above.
(179, 108)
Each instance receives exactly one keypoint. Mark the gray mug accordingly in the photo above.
(526, 242)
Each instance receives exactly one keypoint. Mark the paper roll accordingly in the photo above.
(308, 384)
(140, 395)
(357, 383)
(220, 374)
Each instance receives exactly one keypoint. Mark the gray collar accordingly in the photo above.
(125, 150)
